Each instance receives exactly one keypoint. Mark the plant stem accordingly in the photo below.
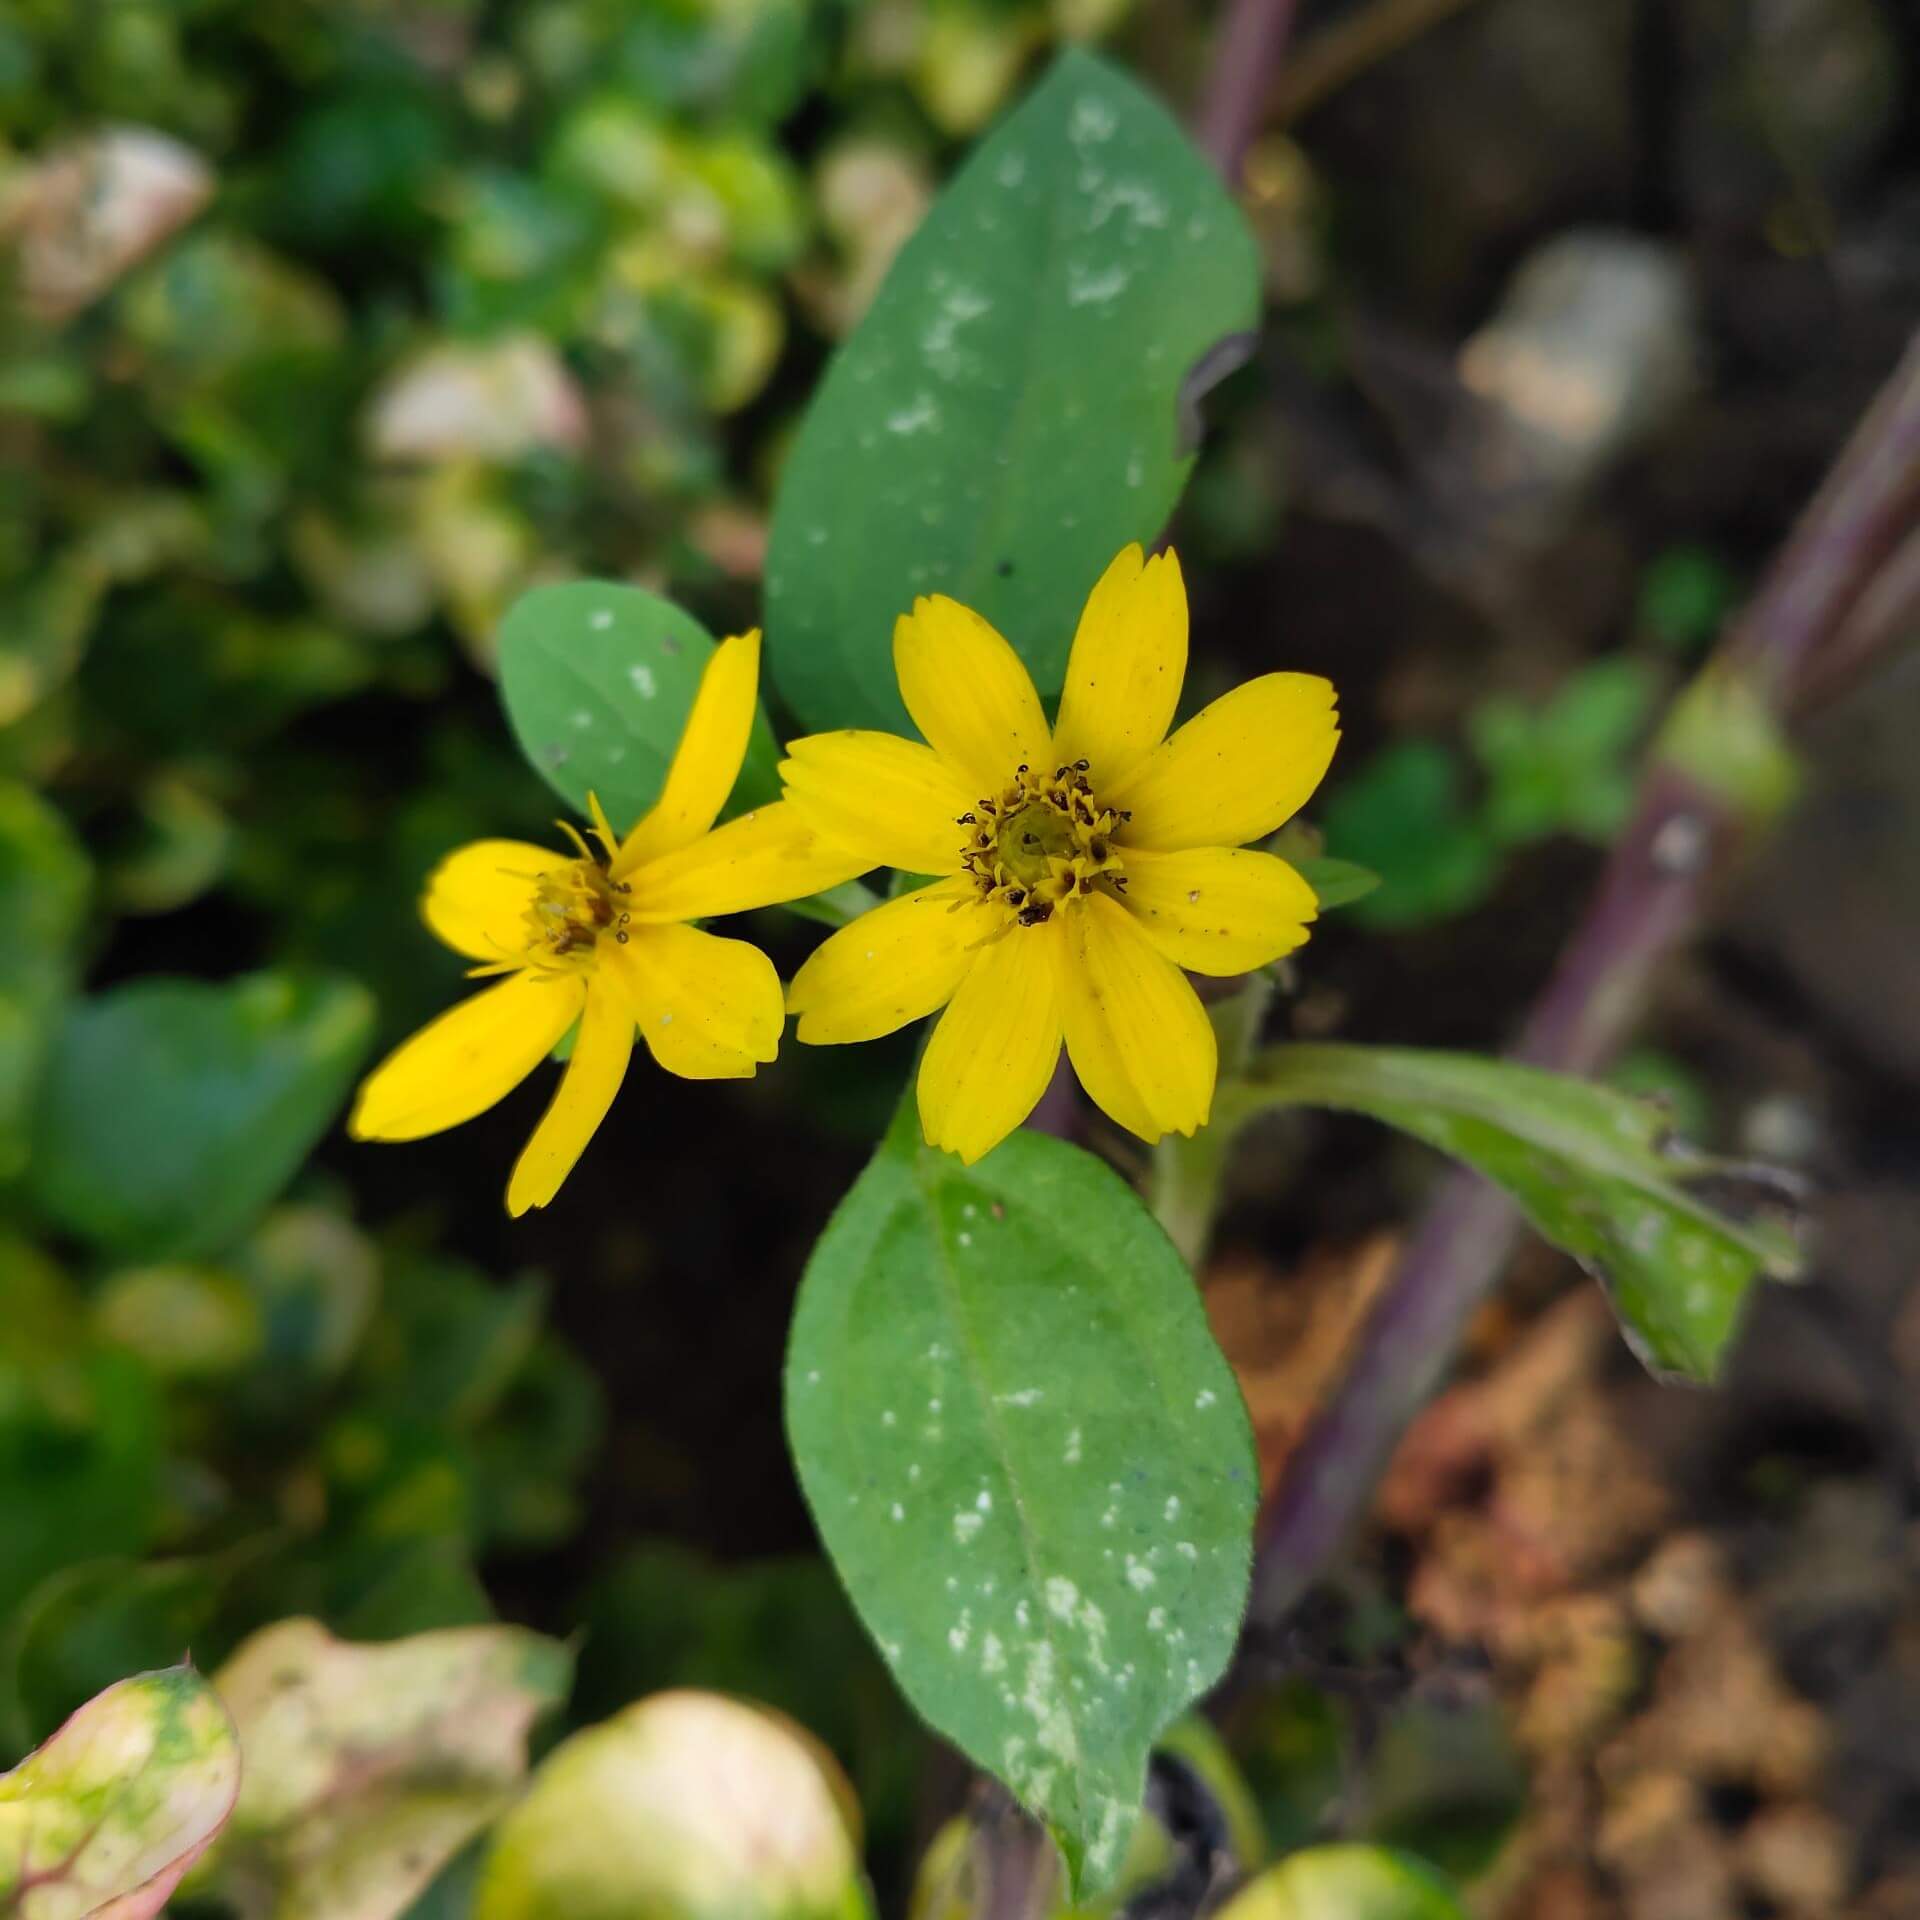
(1250, 47)
(1837, 595)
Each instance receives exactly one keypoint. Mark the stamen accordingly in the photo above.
(1042, 841)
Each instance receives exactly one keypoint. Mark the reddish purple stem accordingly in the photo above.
(1852, 553)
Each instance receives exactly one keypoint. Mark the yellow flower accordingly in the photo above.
(1084, 866)
(602, 938)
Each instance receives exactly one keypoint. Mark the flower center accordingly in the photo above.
(572, 907)
(1041, 842)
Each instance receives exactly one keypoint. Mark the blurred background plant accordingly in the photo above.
(325, 332)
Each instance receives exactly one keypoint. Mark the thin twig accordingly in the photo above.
(1249, 49)
(1844, 585)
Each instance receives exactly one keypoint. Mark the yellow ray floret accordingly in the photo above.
(1080, 871)
(598, 936)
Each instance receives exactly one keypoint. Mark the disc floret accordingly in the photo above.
(1042, 841)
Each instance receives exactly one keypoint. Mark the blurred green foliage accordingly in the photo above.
(324, 334)
(1438, 839)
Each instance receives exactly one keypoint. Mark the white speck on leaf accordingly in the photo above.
(642, 677)
(1092, 119)
(921, 416)
(1087, 287)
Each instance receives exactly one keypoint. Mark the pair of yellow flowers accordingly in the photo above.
(1080, 868)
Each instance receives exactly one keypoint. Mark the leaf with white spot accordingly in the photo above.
(1597, 1171)
(1017, 403)
(1030, 1464)
(598, 681)
(106, 1818)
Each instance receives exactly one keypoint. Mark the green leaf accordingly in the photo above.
(1029, 1463)
(43, 899)
(1404, 816)
(1347, 1883)
(1564, 767)
(1009, 413)
(685, 1806)
(837, 907)
(598, 681)
(107, 1817)
(369, 1767)
(662, 1616)
(1336, 883)
(175, 1110)
(1595, 1170)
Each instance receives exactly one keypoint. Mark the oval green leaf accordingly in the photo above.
(106, 1818)
(1597, 1171)
(1030, 1464)
(685, 1806)
(1009, 413)
(598, 681)
(174, 1111)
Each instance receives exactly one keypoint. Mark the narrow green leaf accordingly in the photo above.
(598, 681)
(1595, 1170)
(839, 906)
(1336, 883)
(1347, 1883)
(1030, 1465)
(175, 1110)
(106, 1818)
(1008, 415)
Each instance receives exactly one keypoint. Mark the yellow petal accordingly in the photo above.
(707, 761)
(968, 693)
(708, 1008)
(1123, 676)
(1219, 909)
(598, 1064)
(995, 1047)
(768, 855)
(891, 800)
(477, 897)
(889, 966)
(1136, 1032)
(1236, 770)
(460, 1064)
